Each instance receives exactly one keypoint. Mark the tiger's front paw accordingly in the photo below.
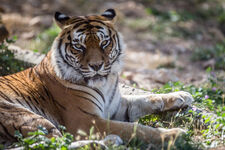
(170, 135)
(177, 100)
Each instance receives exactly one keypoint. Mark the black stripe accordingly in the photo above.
(15, 89)
(76, 20)
(23, 97)
(5, 97)
(100, 93)
(79, 24)
(96, 90)
(118, 50)
(42, 97)
(102, 32)
(59, 48)
(98, 27)
(4, 78)
(19, 102)
(28, 105)
(87, 112)
(91, 96)
(6, 131)
(53, 100)
(20, 81)
(57, 103)
(91, 102)
(50, 97)
(98, 22)
(127, 118)
(47, 92)
(37, 110)
(29, 74)
(79, 36)
(42, 110)
(113, 116)
(81, 30)
(33, 99)
(118, 41)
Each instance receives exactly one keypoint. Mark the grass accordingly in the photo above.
(38, 141)
(206, 127)
(173, 21)
(216, 53)
(8, 64)
(194, 10)
(43, 42)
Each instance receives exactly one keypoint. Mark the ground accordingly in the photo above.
(167, 40)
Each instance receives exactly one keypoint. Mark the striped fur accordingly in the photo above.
(77, 85)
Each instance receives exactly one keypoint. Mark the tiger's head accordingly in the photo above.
(88, 49)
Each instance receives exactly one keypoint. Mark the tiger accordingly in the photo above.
(77, 85)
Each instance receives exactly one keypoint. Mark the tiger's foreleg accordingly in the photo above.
(15, 117)
(133, 107)
(127, 131)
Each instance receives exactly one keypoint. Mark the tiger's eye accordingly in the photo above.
(104, 43)
(78, 46)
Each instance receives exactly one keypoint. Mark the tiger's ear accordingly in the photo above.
(61, 19)
(110, 15)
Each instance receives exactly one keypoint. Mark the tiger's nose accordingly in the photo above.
(96, 67)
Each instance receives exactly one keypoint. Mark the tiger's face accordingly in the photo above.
(88, 49)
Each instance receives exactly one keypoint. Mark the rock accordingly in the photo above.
(209, 63)
(26, 55)
(113, 140)
(44, 21)
(28, 35)
(164, 75)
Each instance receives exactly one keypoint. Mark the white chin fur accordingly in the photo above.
(97, 82)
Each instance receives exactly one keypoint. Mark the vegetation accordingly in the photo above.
(37, 140)
(216, 53)
(43, 42)
(8, 63)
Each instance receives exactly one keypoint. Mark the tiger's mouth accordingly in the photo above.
(96, 77)
(96, 80)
